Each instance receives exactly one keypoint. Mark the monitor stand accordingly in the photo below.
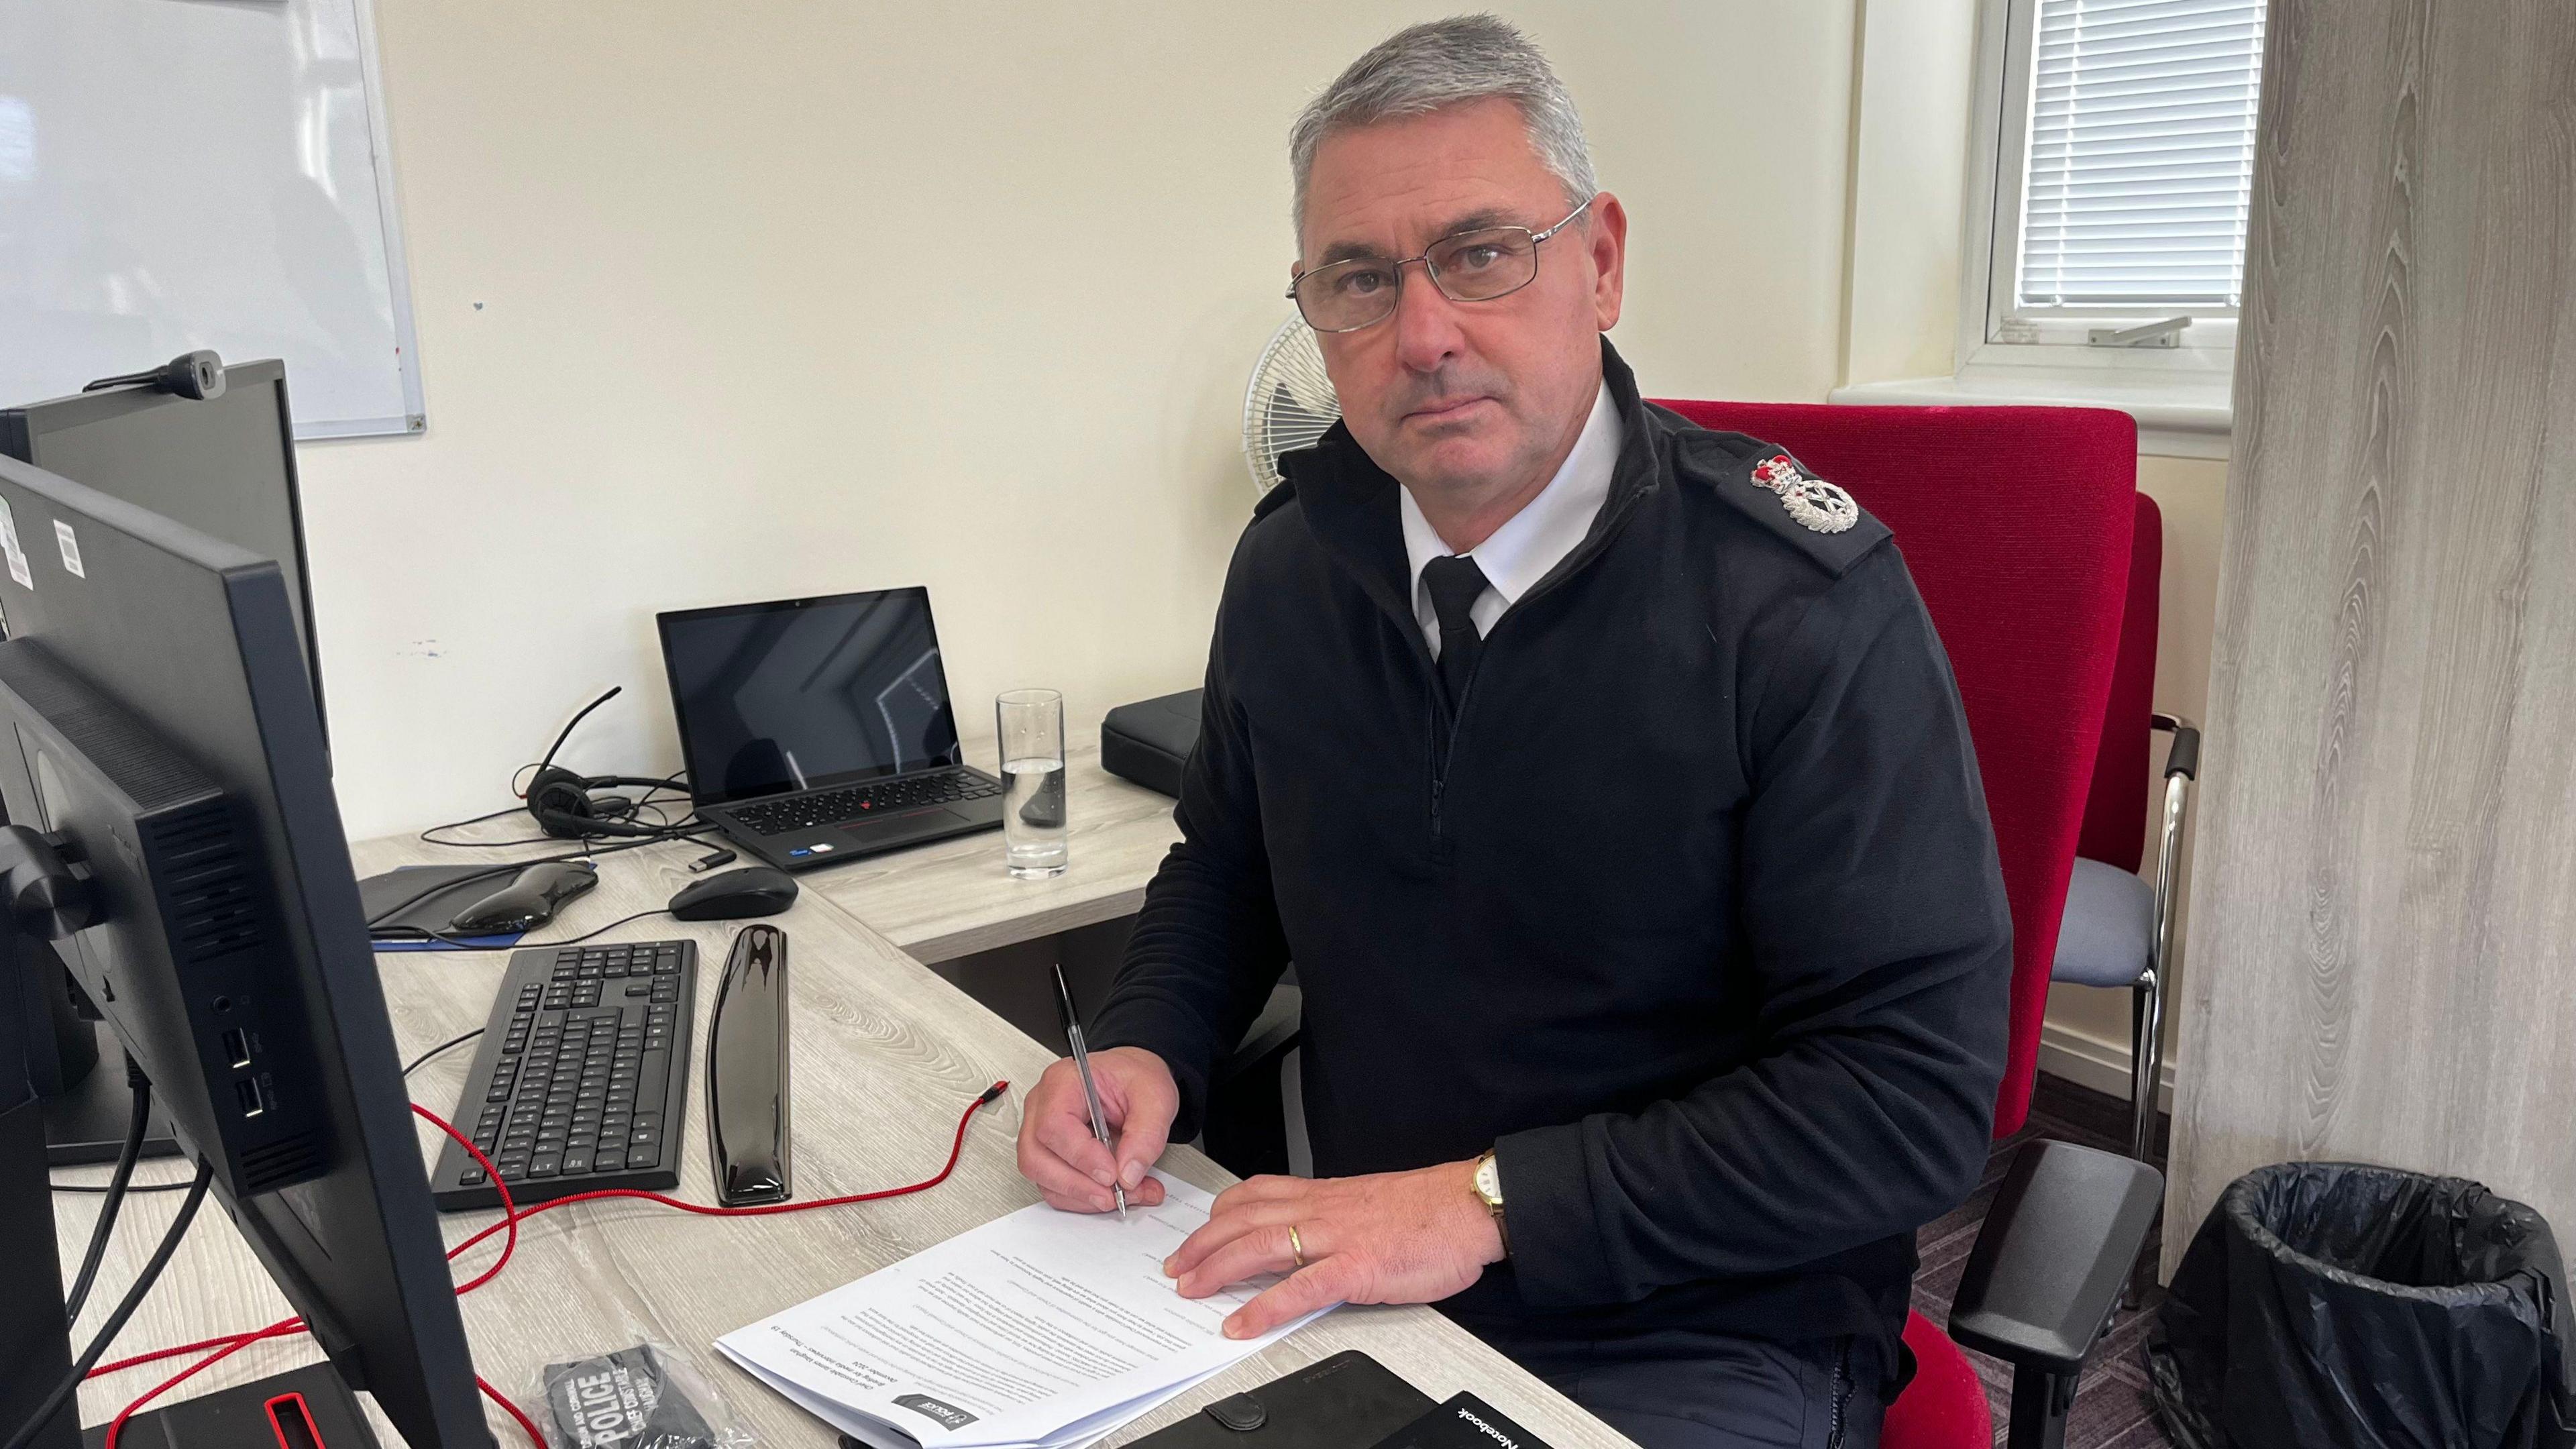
(34, 1338)
(302, 1408)
(85, 1121)
(77, 1069)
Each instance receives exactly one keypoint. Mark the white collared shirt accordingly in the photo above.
(1518, 554)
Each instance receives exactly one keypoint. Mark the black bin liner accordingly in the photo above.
(2336, 1304)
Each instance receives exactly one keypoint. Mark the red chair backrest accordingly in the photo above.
(2115, 814)
(2018, 525)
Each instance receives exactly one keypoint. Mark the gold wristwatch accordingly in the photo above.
(1489, 1187)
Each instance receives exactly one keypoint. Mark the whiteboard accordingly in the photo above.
(177, 174)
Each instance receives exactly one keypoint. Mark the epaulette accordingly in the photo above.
(1779, 494)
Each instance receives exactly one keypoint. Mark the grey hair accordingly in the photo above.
(1440, 63)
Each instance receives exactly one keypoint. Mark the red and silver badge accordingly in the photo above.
(1813, 502)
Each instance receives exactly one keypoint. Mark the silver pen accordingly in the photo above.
(1090, 1087)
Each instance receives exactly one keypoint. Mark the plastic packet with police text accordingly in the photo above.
(649, 1396)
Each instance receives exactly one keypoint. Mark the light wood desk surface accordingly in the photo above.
(886, 1055)
(954, 898)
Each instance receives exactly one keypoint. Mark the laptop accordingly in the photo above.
(819, 730)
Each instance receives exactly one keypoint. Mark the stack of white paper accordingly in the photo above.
(1041, 1329)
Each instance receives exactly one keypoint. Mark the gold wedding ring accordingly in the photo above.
(1296, 1249)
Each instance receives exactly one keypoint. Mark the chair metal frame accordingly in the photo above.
(2147, 993)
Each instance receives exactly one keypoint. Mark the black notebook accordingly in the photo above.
(1348, 1401)
(1465, 1422)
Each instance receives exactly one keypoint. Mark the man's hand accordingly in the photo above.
(1068, 1164)
(1392, 1237)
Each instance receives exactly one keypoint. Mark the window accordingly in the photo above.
(2122, 169)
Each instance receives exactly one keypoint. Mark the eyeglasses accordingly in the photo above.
(1467, 266)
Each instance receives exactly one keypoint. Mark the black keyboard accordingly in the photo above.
(581, 1080)
(787, 814)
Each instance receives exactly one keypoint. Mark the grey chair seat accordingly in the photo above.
(2108, 934)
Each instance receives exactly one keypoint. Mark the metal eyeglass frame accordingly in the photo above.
(1397, 295)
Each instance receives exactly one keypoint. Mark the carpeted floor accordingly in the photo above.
(2111, 1408)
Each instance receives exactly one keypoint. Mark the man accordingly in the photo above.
(1606, 783)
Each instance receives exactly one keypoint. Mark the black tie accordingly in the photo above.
(1456, 583)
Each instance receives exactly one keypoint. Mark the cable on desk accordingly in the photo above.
(596, 930)
(125, 1307)
(100, 1231)
(382, 936)
(688, 824)
(226, 1348)
(453, 1041)
(488, 815)
(230, 1346)
(508, 866)
(667, 783)
(511, 1217)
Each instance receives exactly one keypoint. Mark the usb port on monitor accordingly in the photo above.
(253, 1100)
(237, 1047)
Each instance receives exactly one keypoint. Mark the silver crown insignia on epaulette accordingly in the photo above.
(1813, 502)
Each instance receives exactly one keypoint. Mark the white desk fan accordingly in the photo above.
(1289, 403)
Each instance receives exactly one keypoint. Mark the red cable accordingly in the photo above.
(509, 1219)
(956, 1149)
(496, 1396)
(158, 1354)
(116, 1425)
(511, 1216)
(509, 1208)
(509, 1211)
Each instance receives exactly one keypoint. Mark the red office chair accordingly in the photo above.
(2018, 525)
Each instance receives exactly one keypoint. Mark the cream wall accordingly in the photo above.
(753, 300)
(1914, 63)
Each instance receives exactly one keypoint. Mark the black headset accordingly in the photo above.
(561, 802)
(560, 799)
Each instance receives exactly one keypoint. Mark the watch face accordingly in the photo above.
(1489, 1181)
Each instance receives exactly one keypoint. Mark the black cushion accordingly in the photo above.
(1150, 740)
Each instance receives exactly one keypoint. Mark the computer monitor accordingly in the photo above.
(154, 717)
(224, 466)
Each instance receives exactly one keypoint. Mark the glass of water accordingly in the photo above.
(1031, 728)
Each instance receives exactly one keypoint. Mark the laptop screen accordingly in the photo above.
(807, 693)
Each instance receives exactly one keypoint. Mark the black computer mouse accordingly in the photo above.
(528, 901)
(754, 890)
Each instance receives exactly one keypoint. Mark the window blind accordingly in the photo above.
(2141, 157)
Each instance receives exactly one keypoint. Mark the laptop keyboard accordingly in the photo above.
(787, 814)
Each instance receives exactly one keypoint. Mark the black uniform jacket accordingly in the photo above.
(1690, 909)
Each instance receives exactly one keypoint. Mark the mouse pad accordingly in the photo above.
(451, 889)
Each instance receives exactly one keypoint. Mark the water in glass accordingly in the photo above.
(1033, 815)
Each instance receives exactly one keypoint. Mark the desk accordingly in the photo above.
(953, 898)
(886, 1055)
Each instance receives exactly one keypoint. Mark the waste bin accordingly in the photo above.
(2328, 1303)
